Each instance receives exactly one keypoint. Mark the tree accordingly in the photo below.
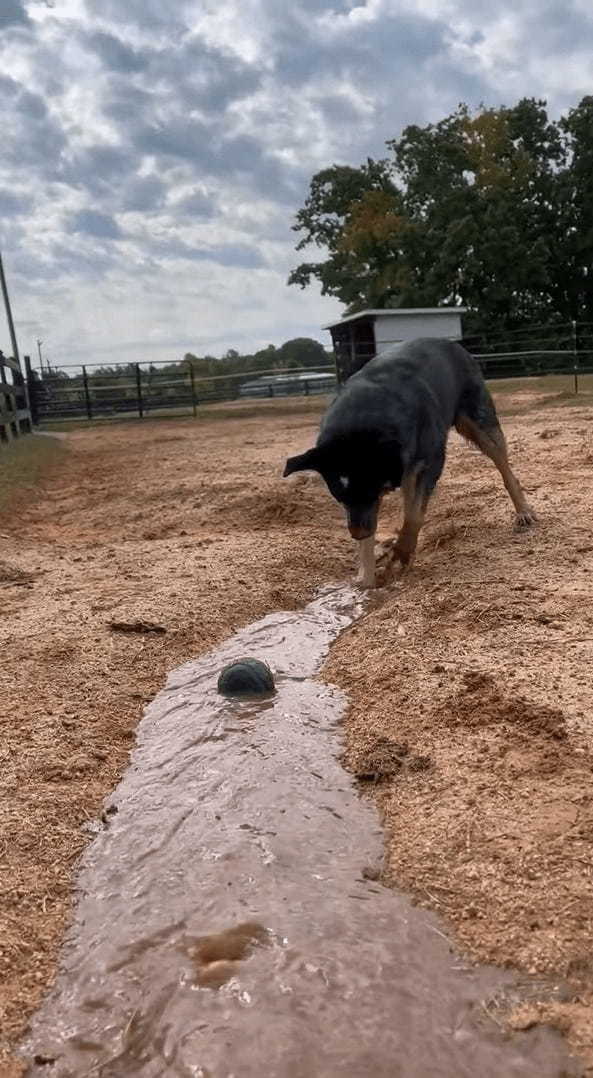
(574, 277)
(302, 352)
(476, 186)
(492, 210)
(334, 196)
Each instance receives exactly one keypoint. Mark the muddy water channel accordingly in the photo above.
(224, 926)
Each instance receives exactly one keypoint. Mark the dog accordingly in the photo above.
(388, 428)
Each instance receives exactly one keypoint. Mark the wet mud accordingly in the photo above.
(230, 920)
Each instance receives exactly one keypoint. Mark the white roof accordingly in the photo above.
(395, 311)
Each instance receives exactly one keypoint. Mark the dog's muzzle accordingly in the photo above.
(362, 520)
(359, 532)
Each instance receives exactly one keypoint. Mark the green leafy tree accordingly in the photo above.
(477, 186)
(334, 196)
(492, 210)
(574, 264)
(302, 352)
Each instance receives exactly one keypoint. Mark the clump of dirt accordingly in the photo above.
(481, 703)
(216, 957)
(137, 626)
(281, 504)
(385, 758)
(447, 533)
(12, 574)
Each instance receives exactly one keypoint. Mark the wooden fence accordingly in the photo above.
(15, 411)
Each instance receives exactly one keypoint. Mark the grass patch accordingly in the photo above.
(24, 464)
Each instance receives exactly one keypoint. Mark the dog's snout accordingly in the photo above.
(357, 531)
(362, 520)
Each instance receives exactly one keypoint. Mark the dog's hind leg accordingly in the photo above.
(491, 441)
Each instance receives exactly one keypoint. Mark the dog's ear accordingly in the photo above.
(305, 462)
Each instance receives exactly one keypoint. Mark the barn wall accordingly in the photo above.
(406, 327)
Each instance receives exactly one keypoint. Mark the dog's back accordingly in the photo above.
(400, 384)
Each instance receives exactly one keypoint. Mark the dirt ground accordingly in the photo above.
(475, 668)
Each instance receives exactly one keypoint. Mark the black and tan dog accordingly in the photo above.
(388, 428)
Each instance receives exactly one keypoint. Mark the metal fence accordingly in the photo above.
(141, 389)
(145, 389)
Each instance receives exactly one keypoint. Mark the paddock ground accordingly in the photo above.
(479, 663)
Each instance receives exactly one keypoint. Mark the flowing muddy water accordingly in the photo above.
(225, 927)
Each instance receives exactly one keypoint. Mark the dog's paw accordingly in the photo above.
(366, 581)
(389, 565)
(403, 555)
(525, 519)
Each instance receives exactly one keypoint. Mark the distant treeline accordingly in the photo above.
(111, 381)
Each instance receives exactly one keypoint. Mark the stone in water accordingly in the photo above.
(246, 677)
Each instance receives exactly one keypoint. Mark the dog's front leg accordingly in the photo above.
(366, 572)
(414, 511)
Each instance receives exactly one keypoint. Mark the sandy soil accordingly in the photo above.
(471, 713)
(182, 524)
(473, 671)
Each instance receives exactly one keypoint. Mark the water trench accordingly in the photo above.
(223, 925)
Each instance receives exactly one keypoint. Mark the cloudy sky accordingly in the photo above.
(154, 152)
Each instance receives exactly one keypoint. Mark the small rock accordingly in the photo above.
(525, 1018)
(371, 872)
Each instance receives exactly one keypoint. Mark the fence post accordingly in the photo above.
(21, 402)
(193, 388)
(87, 396)
(139, 388)
(31, 391)
(5, 417)
(575, 355)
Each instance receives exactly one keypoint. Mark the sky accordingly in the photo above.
(154, 154)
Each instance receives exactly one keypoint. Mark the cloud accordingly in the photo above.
(12, 13)
(236, 255)
(154, 155)
(13, 205)
(96, 224)
(115, 54)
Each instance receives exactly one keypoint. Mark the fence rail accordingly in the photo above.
(140, 391)
(15, 411)
(143, 389)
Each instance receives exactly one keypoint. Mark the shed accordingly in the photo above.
(359, 337)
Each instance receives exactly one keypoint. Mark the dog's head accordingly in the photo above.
(357, 475)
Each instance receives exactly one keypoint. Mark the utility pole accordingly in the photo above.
(15, 350)
(39, 343)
